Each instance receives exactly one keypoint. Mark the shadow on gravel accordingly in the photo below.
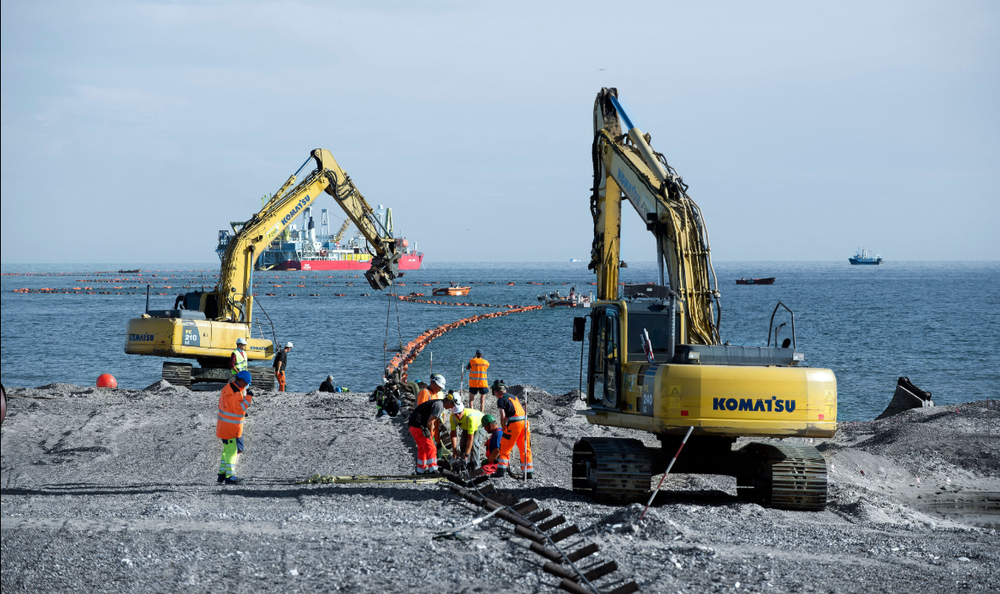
(395, 493)
(707, 497)
(84, 489)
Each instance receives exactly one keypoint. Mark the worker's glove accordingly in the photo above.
(250, 393)
(426, 431)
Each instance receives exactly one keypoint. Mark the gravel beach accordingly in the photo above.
(115, 490)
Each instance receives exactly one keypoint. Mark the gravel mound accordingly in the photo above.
(115, 490)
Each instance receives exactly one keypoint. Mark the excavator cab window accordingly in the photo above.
(604, 357)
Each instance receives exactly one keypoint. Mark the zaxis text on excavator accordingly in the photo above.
(658, 364)
(204, 325)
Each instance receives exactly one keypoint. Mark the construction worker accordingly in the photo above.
(280, 363)
(468, 450)
(432, 390)
(478, 384)
(327, 385)
(494, 439)
(424, 424)
(233, 403)
(238, 359)
(515, 431)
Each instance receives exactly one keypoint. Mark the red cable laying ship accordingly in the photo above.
(305, 249)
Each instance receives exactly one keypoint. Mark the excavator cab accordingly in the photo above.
(604, 378)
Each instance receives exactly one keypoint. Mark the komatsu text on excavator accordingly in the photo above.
(205, 325)
(657, 363)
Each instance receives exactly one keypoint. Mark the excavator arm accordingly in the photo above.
(233, 294)
(626, 164)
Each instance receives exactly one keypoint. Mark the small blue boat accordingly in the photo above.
(865, 257)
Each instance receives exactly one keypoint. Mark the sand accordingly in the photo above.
(115, 490)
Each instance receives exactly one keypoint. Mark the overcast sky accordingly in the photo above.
(134, 131)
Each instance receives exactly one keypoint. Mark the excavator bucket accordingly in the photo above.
(905, 397)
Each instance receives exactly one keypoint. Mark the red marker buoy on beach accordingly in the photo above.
(106, 380)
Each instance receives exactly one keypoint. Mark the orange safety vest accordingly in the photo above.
(232, 410)
(477, 373)
(518, 409)
(425, 395)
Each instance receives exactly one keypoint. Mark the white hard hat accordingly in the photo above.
(288, 345)
(241, 340)
(438, 379)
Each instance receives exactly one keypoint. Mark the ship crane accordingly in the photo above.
(343, 229)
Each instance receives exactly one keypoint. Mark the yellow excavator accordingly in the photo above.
(657, 363)
(204, 325)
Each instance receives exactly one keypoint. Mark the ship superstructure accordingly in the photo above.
(311, 248)
(865, 256)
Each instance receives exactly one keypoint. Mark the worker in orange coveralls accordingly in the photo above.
(280, 363)
(233, 403)
(515, 431)
(424, 423)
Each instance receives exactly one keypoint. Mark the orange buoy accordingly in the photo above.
(106, 380)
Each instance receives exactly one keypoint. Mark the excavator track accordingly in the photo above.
(785, 476)
(184, 374)
(178, 374)
(610, 470)
(263, 377)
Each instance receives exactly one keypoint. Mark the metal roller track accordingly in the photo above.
(544, 534)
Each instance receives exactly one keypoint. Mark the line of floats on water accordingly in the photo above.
(410, 351)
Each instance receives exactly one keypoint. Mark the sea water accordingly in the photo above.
(934, 322)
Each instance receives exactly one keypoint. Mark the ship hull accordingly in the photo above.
(406, 262)
(860, 262)
(755, 281)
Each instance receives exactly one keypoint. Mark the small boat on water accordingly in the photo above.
(557, 299)
(756, 281)
(865, 257)
(453, 291)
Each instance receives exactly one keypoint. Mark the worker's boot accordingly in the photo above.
(233, 480)
(222, 477)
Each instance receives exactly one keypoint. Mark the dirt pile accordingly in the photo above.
(114, 490)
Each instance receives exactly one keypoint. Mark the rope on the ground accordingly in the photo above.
(327, 479)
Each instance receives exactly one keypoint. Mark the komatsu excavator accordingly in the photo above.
(205, 325)
(657, 363)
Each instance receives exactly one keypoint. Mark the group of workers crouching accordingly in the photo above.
(485, 445)
(479, 442)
